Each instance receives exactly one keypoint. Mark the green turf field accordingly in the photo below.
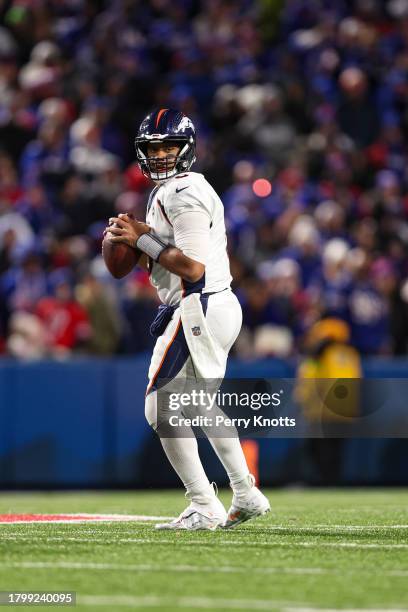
(316, 549)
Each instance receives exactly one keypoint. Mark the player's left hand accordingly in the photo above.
(126, 229)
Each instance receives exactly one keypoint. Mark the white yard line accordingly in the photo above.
(84, 517)
(147, 519)
(211, 603)
(224, 569)
(366, 526)
(313, 609)
(330, 527)
(181, 602)
(202, 542)
(86, 521)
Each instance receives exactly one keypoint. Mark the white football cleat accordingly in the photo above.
(199, 516)
(244, 508)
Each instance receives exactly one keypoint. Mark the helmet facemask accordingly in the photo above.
(163, 168)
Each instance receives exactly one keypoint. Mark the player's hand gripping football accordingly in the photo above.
(126, 229)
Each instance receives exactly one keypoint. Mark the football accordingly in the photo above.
(120, 259)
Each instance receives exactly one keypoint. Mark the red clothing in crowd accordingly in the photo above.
(66, 322)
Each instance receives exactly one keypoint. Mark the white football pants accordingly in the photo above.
(199, 343)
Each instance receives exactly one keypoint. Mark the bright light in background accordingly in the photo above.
(262, 188)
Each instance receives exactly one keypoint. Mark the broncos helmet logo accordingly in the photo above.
(170, 126)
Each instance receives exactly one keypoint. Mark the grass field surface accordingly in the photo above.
(317, 549)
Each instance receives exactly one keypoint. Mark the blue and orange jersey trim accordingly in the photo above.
(164, 212)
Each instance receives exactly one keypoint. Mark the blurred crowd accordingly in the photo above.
(301, 109)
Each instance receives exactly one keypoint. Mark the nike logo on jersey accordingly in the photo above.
(181, 189)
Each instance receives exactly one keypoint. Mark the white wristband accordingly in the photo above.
(151, 245)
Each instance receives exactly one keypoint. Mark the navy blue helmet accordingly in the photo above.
(175, 129)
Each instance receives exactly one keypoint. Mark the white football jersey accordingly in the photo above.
(188, 191)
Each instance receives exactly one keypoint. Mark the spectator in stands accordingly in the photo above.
(370, 308)
(103, 317)
(25, 283)
(289, 94)
(65, 320)
(328, 355)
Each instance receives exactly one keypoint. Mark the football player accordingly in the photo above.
(185, 250)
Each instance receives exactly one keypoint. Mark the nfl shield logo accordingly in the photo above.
(196, 331)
